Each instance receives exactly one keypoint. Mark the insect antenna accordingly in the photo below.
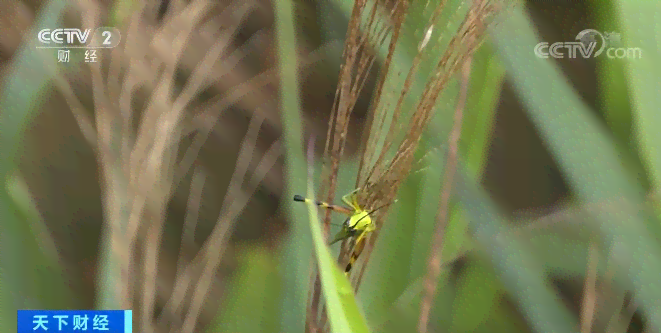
(374, 210)
(382, 206)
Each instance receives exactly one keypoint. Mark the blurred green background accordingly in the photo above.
(555, 218)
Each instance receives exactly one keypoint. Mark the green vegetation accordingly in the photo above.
(593, 264)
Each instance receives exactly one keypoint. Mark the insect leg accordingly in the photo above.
(350, 199)
(357, 250)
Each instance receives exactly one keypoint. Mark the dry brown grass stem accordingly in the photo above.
(408, 82)
(140, 171)
(381, 187)
(208, 258)
(152, 157)
(233, 204)
(199, 81)
(158, 123)
(158, 132)
(112, 181)
(372, 134)
(188, 244)
(589, 290)
(370, 137)
(435, 256)
(359, 57)
(416, 288)
(214, 246)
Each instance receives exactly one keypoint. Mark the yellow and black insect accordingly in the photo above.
(358, 225)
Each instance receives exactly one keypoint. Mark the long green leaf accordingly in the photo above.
(343, 311)
(413, 226)
(587, 157)
(614, 94)
(400, 251)
(644, 75)
(295, 254)
(252, 298)
(478, 291)
(26, 79)
(486, 81)
(405, 240)
(612, 84)
(520, 273)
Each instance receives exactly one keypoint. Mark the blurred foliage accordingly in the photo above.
(500, 274)
(255, 289)
(31, 276)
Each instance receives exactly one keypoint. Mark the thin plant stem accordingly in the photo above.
(589, 292)
(435, 256)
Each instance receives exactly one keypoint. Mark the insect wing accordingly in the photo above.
(344, 233)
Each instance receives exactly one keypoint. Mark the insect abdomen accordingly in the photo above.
(352, 261)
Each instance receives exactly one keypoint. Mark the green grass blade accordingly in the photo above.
(478, 293)
(587, 157)
(400, 251)
(522, 276)
(486, 81)
(387, 274)
(644, 79)
(615, 100)
(614, 96)
(27, 77)
(44, 278)
(413, 218)
(484, 89)
(295, 254)
(343, 311)
(121, 11)
(252, 296)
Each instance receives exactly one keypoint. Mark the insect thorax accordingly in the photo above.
(359, 221)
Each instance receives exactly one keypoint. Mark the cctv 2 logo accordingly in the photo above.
(104, 37)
